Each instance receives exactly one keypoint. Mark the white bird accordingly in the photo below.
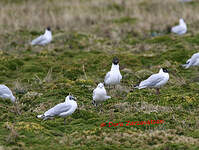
(193, 61)
(43, 39)
(5, 92)
(99, 94)
(181, 28)
(114, 76)
(184, 1)
(156, 80)
(61, 110)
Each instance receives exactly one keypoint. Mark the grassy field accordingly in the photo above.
(87, 34)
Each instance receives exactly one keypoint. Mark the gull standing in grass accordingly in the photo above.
(114, 76)
(43, 39)
(156, 80)
(99, 94)
(61, 110)
(193, 61)
(5, 92)
(181, 28)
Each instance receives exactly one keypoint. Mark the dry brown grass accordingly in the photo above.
(84, 15)
(13, 134)
(148, 140)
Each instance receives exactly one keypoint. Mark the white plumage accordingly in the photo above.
(181, 28)
(114, 76)
(184, 1)
(99, 94)
(193, 61)
(43, 39)
(61, 110)
(5, 92)
(156, 80)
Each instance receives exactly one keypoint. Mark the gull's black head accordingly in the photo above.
(165, 70)
(115, 61)
(48, 28)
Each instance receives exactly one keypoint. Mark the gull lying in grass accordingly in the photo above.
(61, 110)
(5, 92)
(193, 61)
(156, 80)
(99, 94)
(43, 39)
(181, 28)
(113, 77)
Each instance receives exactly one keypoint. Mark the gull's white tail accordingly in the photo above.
(107, 97)
(136, 87)
(41, 116)
(186, 66)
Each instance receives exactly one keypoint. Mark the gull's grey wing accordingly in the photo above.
(58, 109)
(188, 61)
(194, 56)
(151, 81)
(5, 90)
(107, 76)
(38, 40)
(192, 60)
(178, 29)
(94, 92)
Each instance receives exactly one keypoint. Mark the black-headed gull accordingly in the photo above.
(181, 28)
(61, 110)
(43, 39)
(193, 61)
(156, 80)
(5, 92)
(99, 94)
(114, 76)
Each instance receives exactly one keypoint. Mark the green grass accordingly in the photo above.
(29, 68)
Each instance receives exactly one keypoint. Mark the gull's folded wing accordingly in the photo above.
(177, 29)
(94, 92)
(192, 60)
(107, 76)
(58, 109)
(38, 40)
(151, 81)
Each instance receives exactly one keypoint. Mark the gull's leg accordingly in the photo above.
(157, 91)
(96, 107)
(101, 108)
